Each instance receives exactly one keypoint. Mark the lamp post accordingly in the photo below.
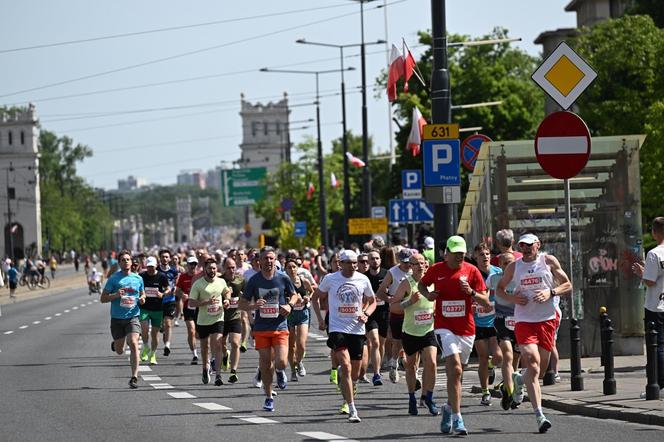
(321, 177)
(344, 138)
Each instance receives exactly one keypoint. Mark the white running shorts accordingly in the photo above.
(451, 344)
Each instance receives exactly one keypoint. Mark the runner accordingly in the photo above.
(211, 295)
(456, 285)
(175, 264)
(182, 290)
(504, 242)
(298, 321)
(152, 312)
(169, 301)
(486, 343)
(319, 304)
(428, 250)
(272, 296)
(351, 301)
(418, 336)
(232, 320)
(379, 320)
(538, 279)
(124, 290)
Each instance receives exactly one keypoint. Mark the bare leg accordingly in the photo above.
(454, 371)
(133, 353)
(266, 368)
(234, 339)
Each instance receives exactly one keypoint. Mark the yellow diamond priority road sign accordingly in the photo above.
(564, 75)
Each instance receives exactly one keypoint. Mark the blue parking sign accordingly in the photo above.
(300, 229)
(442, 162)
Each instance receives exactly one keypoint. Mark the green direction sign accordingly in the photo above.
(243, 187)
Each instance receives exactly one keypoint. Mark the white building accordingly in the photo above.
(19, 184)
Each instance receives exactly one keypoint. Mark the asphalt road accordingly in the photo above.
(60, 381)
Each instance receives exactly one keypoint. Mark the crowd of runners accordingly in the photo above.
(386, 310)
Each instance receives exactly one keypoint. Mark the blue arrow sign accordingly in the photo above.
(442, 162)
(410, 211)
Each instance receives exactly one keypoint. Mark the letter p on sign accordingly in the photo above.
(442, 155)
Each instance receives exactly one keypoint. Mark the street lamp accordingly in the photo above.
(321, 177)
(344, 139)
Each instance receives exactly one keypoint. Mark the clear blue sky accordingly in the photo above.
(205, 128)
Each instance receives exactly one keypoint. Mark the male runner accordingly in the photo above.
(211, 295)
(457, 284)
(378, 321)
(232, 320)
(351, 301)
(272, 296)
(156, 287)
(124, 290)
(169, 301)
(182, 290)
(538, 279)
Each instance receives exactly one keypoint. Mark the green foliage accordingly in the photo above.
(628, 95)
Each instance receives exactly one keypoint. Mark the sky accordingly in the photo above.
(150, 104)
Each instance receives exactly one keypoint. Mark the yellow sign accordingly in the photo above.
(564, 75)
(441, 132)
(367, 226)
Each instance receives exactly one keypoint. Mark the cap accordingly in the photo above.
(405, 254)
(347, 255)
(151, 262)
(456, 244)
(428, 242)
(192, 260)
(529, 238)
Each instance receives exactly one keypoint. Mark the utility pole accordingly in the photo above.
(366, 173)
(10, 196)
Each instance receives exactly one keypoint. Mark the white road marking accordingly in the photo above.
(73, 308)
(321, 435)
(96, 300)
(161, 386)
(36, 322)
(150, 378)
(89, 302)
(23, 327)
(181, 395)
(212, 406)
(48, 318)
(144, 368)
(256, 420)
(66, 311)
(58, 314)
(9, 332)
(84, 305)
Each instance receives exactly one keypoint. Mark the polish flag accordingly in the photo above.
(310, 190)
(408, 65)
(333, 181)
(355, 161)
(396, 71)
(415, 137)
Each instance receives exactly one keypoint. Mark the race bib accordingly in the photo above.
(423, 317)
(151, 292)
(453, 309)
(483, 312)
(347, 311)
(127, 301)
(234, 302)
(381, 302)
(214, 309)
(298, 307)
(269, 310)
(510, 322)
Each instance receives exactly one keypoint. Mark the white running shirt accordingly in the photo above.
(529, 278)
(344, 299)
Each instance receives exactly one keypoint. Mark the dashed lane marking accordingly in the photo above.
(36, 322)
(23, 327)
(161, 386)
(321, 435)
(212, 406)
(181, 395)
(48, 318)
(9, 332)
(256, 420)
(142, 368)
(150, 378)
(74, 308)
(67, 311)
(58, 314)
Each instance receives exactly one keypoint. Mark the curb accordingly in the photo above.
(635, 415)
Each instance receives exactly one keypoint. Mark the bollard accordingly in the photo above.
(575, 355)
(603, 316)
(652, 387)
(609, 385)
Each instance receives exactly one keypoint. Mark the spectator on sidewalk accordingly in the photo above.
(12, 277)
(652, 275)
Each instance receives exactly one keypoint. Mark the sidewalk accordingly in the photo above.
(63, 282)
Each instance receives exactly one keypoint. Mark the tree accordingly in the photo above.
(653, 8)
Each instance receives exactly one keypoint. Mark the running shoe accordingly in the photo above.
(394, 375)
(233, 378)
(354, 418)
(543, 424)
(133, 382)
(556, 378)
(418, 385)
(486, 399)
(293, 376)
(113, 346)
(459, 428)
(176, 323)
(282, 382)
(506, 398)
(153, 358)
(213, 364)
(301, 371)
(243, 347)
(167, 350)
(226, 362)
(256, 381)
(364, 379)
(206, 376)
(217, 381)
(269, 404)
(194, 360)
(492, 374)
(433, 408)
(144, 353)
(412, 407)
(446, 421)
(344, 408)
(377, 380)
(334, 377)
(518, 388)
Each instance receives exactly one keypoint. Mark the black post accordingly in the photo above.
(603, 316)
(652, 388)
(344, 140)
(609, 384)
(366, 173)
(321, 177)
(575, 355)
(445, 215)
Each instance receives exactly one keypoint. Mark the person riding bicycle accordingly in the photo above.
(94, 281)
(41, 268)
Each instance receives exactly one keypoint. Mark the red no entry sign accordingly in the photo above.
(470, 149)
(562, 144)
